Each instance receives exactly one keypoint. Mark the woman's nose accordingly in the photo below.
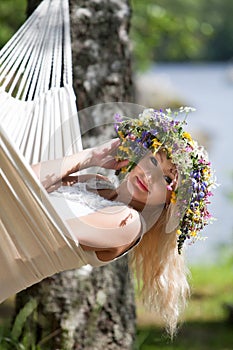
(149, 177)
(154, 175)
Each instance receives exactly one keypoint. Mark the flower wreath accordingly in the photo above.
(154, 130)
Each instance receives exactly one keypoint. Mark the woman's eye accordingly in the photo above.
(168, 179)
(154, 161)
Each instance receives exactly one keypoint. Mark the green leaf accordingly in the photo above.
(21, 318)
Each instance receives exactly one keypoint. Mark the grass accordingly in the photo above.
(192, 336)
(206, 323)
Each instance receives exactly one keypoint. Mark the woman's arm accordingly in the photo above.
(109, 232)
(52, 171)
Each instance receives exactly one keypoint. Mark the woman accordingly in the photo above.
(163, 194)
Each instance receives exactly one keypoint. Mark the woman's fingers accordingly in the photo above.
(110, 147)
(121, 164)
(104, 156)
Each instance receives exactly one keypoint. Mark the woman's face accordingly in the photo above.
(148, 181)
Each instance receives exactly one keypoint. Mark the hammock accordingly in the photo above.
(35, 242)
(39, 121)
(38, 109)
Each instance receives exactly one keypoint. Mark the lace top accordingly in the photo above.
(77, 201)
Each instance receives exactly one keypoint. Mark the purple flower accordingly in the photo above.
(118, 118)
(154, 132)
(144, 134)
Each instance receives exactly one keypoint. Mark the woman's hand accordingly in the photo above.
(53, 171)
(104, 156)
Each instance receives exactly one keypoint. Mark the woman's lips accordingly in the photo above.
(142, 185)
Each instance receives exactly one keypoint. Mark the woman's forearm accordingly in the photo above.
(52, 171)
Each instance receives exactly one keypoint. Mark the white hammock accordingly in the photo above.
(38, 114)
(35, 242)
(37, 101)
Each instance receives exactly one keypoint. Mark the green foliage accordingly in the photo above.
(11, 338)
(181, 30)
(161, 30)
(12, 15)
(219, 16)
(192, 336)
(22, 317)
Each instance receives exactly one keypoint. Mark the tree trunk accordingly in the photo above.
(91, 309)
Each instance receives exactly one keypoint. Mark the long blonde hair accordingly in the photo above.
(161, 272)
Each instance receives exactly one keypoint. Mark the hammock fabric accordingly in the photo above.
(38, 115)
(38, 109)
(35, 242)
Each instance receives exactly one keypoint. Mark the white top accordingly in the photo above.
(74, 202)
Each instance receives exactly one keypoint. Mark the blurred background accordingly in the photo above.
(183, 55)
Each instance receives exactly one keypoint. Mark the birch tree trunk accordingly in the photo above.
(94, 309)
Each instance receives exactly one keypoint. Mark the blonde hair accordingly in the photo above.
(161, 272)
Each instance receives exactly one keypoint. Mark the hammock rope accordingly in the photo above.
(36, 93)
(25, 67)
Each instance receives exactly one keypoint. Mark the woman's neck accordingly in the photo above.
(121, 194)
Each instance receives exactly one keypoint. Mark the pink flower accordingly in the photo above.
(189, 149)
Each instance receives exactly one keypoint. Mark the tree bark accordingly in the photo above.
(101, 60)
(101, 55)
(91, 309)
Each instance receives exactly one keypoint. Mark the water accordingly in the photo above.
(208, 88)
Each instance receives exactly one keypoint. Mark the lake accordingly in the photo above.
(208, 88)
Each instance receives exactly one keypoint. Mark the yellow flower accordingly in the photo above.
(193, 233)
(156, 143)
(124, 149)
(206, 173)
(120, 133)
(186, 135)
(173, 197)
(178, 232)
(124, 170)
